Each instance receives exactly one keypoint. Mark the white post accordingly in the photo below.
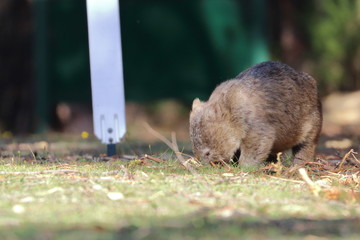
(106, 71)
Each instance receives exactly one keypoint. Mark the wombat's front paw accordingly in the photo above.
(249, 163)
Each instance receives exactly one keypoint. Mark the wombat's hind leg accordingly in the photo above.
(304, 152)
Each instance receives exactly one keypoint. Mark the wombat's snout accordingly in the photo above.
(207, 156)
(204, 156)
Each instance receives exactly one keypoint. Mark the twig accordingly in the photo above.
(213, 164)
(313, 187)
(128, 157)
(32, 152)
(314, 163)
(158, 135)
(284, 179)
(337, 174)
(278, 165)
(175, 148)
(172, 145)
(344, 158)
(353, 155)
(187, 155)
(158, 160)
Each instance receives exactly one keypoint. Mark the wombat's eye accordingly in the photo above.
(207, 154)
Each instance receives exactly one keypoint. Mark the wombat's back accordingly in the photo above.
(271, 94)
(272, 81)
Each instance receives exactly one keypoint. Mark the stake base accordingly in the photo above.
(111, 150)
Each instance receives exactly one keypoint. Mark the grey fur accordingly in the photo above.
(266, 109)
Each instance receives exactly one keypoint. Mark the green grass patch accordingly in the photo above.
(88, 199)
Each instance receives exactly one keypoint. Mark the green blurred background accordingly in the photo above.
(175, 50)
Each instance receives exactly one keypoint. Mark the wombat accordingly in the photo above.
(266, 109)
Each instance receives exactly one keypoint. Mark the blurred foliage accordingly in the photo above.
(171, 49)
(335, 39)
(183, 49)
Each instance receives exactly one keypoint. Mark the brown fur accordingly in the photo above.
(266, 109)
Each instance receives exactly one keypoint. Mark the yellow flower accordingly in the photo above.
(84, 135)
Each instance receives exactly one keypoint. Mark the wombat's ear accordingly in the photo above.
(196, 104)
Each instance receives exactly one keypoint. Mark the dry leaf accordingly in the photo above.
(228, 174)
(115, 196)
(97, 187)
(18, 209)
(55, 189)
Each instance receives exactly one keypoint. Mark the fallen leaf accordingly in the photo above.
(54, 190)
(115, 196)
(144, 174)
(97, 187)
(228, 174)
(18, 209)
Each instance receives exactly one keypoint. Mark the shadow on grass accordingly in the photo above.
(201, 228)
(237, 227)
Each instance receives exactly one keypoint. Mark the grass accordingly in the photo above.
(69, 197)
